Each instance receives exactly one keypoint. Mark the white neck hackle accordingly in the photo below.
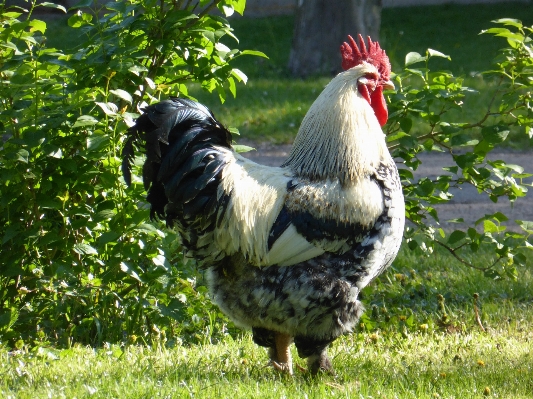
(340, 136)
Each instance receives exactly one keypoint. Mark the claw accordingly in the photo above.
(283, 367)
(302, 369)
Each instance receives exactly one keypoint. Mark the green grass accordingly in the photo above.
(419, 366)
(401, 356)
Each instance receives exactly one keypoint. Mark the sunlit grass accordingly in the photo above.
(418, 357)
(470, 365)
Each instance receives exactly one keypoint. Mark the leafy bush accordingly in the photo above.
(79, 260)
(420, 121)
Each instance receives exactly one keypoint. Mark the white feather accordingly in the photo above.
(291, 248)
(340, 135)
(257, 194)
(339, 145)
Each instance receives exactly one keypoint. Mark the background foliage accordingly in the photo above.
(426, 115)
(80, 262)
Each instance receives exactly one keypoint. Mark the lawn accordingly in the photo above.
(411, 346)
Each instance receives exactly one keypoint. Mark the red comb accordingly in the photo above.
(353, 55)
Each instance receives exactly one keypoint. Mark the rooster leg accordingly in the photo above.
(280, 355)
(320, 362)
(316, 354)
(278, 347)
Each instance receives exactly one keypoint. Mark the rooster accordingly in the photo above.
(288, 249)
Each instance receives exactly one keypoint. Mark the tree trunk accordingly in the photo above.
(321, 26)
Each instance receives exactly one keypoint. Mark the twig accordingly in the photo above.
(488, 113)
(464, 262)
(476, 312)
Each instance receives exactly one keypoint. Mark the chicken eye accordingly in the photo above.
(370, 81)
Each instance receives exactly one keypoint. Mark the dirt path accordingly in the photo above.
(467, 202)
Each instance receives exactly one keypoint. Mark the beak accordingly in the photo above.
(388, 85)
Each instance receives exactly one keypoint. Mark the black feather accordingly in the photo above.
(281, 224)
(183, 164)
(194, 165)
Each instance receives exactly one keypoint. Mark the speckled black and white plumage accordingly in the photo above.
(314, 301)
(286, 250)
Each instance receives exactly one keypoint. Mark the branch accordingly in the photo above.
(207, 10)
(464, 262)
(488, 113)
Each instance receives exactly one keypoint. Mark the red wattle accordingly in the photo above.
(378, 104)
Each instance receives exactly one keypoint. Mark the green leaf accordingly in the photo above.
(129, 271)
(526, 225)
(500, 217)
(457, 220)
(209, 35)
(239, 75)
(425, 187)
(38, 26)
(495, 134)
(85, 120)
(96, 142)
(239, 6)
(435, 53)
(490, 227)
(10, 45)
(8, 318)
(53, 151)
(232, 87)
(396, 136)
(417, 72)
(254, 53)
(109, 108)
(21, 155)
(242, 148)
(406, 124)
(496, 30)
(221, 94)
(52, 5)
(456, 236)
(503, 32)
(79, 19)
(509, 21)
(84, 249)
(451, 169)
(483, 148)
(104, 215)
(413, 58)
(123, 95)
(107, 237)
(10, 232)
(227, 10)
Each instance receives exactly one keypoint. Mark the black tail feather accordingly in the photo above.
(182, 163)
